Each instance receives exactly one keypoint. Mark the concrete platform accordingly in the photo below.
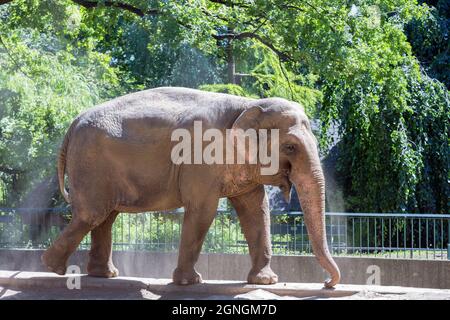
(43, 285)
(218, 266)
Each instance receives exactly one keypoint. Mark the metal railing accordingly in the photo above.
(388, 235)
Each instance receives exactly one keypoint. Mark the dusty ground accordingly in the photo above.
(40, 285)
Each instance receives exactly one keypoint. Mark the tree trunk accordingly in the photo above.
(230, 60)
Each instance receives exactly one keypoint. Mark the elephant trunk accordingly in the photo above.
(310, 184)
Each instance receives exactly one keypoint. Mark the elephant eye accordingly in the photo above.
(289, 148)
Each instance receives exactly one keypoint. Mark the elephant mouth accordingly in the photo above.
(286, 190)
(280, 180)
(285, 185)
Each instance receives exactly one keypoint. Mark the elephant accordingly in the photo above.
(117, 158)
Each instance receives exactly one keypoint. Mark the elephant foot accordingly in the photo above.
(262, 276)
(102, 271)
(182, 277)
(52, 263)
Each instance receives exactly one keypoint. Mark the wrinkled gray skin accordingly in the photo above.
(117, 158)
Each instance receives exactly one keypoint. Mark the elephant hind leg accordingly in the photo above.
(100, 256)
(55, 257)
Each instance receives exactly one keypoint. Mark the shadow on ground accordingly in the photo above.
(16, 285)
(55, 288)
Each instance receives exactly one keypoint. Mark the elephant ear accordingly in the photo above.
(248, 119)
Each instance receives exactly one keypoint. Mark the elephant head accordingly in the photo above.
(299, 164)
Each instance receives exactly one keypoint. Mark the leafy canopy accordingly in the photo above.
(368, 67)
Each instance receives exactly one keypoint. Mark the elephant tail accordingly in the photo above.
(62, 162)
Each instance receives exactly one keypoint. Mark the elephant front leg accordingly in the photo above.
(253, 211)
(197, 220)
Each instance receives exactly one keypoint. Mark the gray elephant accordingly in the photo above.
(118, 158)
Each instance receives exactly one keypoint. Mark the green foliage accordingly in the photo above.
(384, 106)
(273, 80)
(429, 37)
(40, 93)
(225, 88)
(361, 65)
(397, 159)
(269, 78)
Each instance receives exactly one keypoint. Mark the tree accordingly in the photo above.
(350, 64)
(42, 88)
(429, 38)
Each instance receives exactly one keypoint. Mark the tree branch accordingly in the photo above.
(209, 14)
(230, 3)
(124, 6)
(2, 2)
(250, 35)
(88, 4)
(10, 170)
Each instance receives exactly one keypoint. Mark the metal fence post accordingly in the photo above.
(448, 251)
